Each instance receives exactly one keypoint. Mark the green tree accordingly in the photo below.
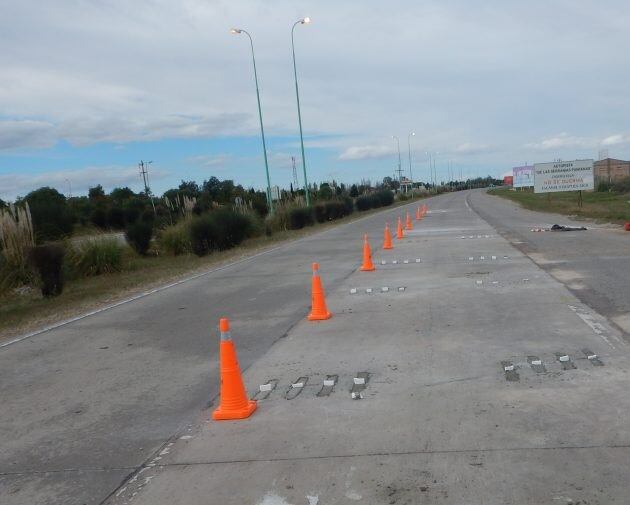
(96, 193)
(325, 192)
(354, 191)
(52, 218)
(189, 188)
(120, 195)
(2, 204)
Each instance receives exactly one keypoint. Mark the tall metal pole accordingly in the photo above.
(411, 134)
(297, 96)
(262, 129)
(399, 160)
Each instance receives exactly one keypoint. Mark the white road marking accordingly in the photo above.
(598, 328)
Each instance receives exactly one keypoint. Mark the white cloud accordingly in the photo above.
(367, 152)
(615, 140)
(563, 141)
(13, 185)
(567, 141)
(210, 160)
(470, 148)
(86, 131)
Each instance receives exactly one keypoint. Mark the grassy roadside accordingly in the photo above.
(23, 313)
(603, 207)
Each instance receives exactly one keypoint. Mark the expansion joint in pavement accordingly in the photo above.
(396, 453)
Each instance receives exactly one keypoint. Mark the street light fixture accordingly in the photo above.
(303, 21)
(411, 134)
(238, 31)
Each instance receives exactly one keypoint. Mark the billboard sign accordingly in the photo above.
(573, 175)
(275, 193)
(523, 177)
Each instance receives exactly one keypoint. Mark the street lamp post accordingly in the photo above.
(235, 31)
(303, 21)
(411, 134)
(432, 167)
(399, 160)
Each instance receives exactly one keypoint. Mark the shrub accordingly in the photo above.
(378, 199)
(603, 186)
(148, 216)
(232, 228)
(175, 239)
(321, 214)
(299, 217)
(202, 231)
(48, 262)
(385, 197)
(219, 230)
(99, 218)
(116, 218)
(96, 257)
(337, 210)
(348, 204)
(622, 186)
(279, 220)
(364, 203)
(138, 236)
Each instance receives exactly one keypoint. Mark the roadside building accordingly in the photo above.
(406, 185)
(611, 169)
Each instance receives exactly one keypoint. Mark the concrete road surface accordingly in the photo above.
(479, 385)
(593, 264)
(83, 406)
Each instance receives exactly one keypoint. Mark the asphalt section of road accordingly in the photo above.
(593, 264)
(84, 405)
(486, 382)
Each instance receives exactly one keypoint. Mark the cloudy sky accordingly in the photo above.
(88, 88)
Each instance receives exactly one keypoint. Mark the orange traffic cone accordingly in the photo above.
(418, 214)
(399, 231)
(319, 311)
(409, 223)
(387, 240)
(367, 266)
(233, 401)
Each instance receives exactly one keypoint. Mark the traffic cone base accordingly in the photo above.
(319, 317)
(233, 401)
(221, 415)
(319, 311)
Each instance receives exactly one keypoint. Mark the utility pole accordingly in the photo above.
(144, 171)
(295, 177)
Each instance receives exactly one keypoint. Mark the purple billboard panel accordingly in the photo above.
(523, 177)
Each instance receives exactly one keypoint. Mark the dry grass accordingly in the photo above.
(603, 207)
(16, 240)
